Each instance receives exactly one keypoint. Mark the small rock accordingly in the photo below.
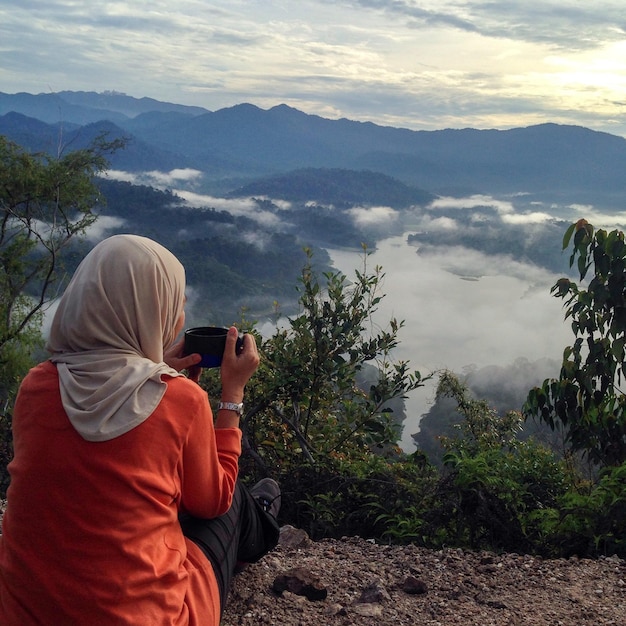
(297, 600)
(301, 582)
(368, 610)
(414, 586)
(335, 609)
(491, 601)
(293, 538)
(374, 592)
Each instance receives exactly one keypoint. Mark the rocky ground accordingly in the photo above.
(354, 581)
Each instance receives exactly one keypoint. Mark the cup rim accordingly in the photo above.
(206, 331)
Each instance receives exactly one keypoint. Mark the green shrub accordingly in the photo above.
(589, 520)
(495, 494)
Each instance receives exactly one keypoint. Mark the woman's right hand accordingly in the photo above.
(237, 369)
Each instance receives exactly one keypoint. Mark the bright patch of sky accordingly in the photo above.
(421, 64)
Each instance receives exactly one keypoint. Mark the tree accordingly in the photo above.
(587, 401)
(306, 404)
(45, 202)
(497, 483)
(481, 427)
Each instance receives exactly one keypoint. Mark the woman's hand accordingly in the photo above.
(175, 358)
(237, 369)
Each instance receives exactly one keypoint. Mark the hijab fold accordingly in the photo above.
(115, 320)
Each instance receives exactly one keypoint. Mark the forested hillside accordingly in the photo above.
(239, 144)
(230, 261)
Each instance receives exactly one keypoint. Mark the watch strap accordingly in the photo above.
(237, 407)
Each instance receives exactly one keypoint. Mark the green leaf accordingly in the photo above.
(568, 235)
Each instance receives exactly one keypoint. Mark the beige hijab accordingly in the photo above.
(108, 335)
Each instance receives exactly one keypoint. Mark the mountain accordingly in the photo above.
(237, 145)
(126, 105)
(81, 107)
(338, 187)
(37, 136)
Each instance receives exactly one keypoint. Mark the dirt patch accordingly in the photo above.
(369, 583)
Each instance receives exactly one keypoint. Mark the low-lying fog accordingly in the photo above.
(461, 309)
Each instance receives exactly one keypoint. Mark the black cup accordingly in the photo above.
(209, 342)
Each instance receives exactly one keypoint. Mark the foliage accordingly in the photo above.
(372, 497)
(493, 496)
(588, 520)
(311, 421)
(17, 357)
(496, 481)
(45, 202)
(586, 401)
(306, 404)
(482, 428)
(503, 387)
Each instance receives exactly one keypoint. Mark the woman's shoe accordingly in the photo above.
(267, 493)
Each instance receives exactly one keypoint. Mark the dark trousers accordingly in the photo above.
(242, 535)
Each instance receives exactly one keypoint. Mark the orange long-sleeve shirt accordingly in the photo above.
(91, 532)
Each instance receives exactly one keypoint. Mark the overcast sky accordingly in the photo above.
(421, 64)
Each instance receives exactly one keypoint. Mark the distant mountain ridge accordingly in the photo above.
(84, 107)
(243, 143)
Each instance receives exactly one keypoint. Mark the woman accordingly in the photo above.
(124, 505)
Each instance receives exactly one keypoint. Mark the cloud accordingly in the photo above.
(99, 229)
(599, 220)
(122, 176)
(282, 205)
(155, 178)
(503, 207)
(567, 25)
(535, 217)
(439, 223)
(373, 216)
(168, 179)
(465, 262)
(257, 239)
(95, 232)
(395, 62)
(245, 207)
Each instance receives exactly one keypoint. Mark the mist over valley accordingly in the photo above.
(466, 224)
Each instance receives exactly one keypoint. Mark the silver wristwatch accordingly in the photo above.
(232, 406)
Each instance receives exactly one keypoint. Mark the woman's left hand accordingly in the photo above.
(174, 357)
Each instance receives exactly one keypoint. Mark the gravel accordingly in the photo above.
(370, 583)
